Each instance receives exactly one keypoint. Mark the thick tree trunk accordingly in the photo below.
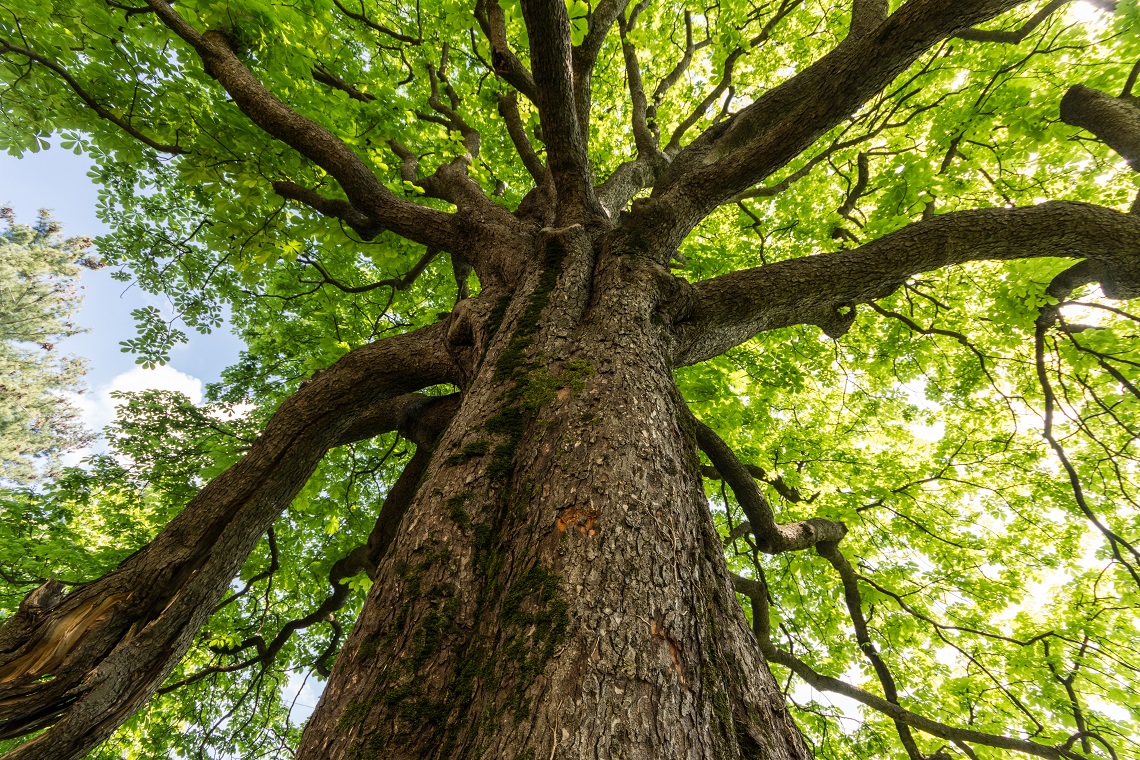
(557, 589)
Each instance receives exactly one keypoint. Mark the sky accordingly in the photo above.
(57, 179)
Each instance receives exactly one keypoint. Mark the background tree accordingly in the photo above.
(556, 251)
(38, 293)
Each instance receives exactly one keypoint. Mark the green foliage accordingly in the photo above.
(985, 585)
(38, 293)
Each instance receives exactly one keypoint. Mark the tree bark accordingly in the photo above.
(558, 588)
(85, 662)
(1114, 120)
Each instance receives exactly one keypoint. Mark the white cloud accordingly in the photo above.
(97, 408)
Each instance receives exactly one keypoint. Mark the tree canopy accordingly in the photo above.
(870, 212)
(38, 271)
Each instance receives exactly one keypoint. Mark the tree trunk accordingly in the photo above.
(558, 589)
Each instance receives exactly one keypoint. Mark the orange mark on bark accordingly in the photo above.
(581, 520)
(657, 630)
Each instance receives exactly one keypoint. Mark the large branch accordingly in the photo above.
(84, 663)
(585, 56)
(730, 157)
(823, 290)
(493, 21)
(626, 181)
(1014, 36)
(1115, 121)
(364, 190)
(548, 28)
(425, 418)
(771, 537)
(868, 15)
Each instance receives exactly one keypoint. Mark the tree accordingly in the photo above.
(649, 213)
(38, 292)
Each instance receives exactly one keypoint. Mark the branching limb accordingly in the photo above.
(733, 156)
(548, 27)
(493, 22)
(867, 16)
(274, 564)
(1061, 286)
(1115, 121)
(365, 226)
(829, 550)
(363, 188)
(585, 56)
(376, 26)
(757, 593)
(771, 537)
(823, 290)
(643, 136)
(1129, 83)
(452, 119)
(509, 110)
(7, 47)
(422, 423)
(788, 493)
(599, 23)
(326, 77)
(724, 84)
(1013, 37)
(109, 644)
(682, 66)
(395, 283)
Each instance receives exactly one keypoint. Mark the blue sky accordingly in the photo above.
(57, 179)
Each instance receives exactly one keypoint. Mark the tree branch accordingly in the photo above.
(493, 22)
(422, 422)
(682, 66)
(869, 15)
(326, 77)
(829, 550)
(86, 97)
(757, 593)
(730, 157)
(110, 643)
(626, 181)
(643, 137)
(395, 283)
(398, 36)
(364, 190)
(509, 110)
(771, 537)
(1114, 121)
(1060, 288)
(585, 56)
(365, 226)
(823, 290)
(1013, 37)
(548, 27)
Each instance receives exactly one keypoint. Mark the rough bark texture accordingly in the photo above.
(557, 588)
(554, 587)
(1114, 120)
(97, 654)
